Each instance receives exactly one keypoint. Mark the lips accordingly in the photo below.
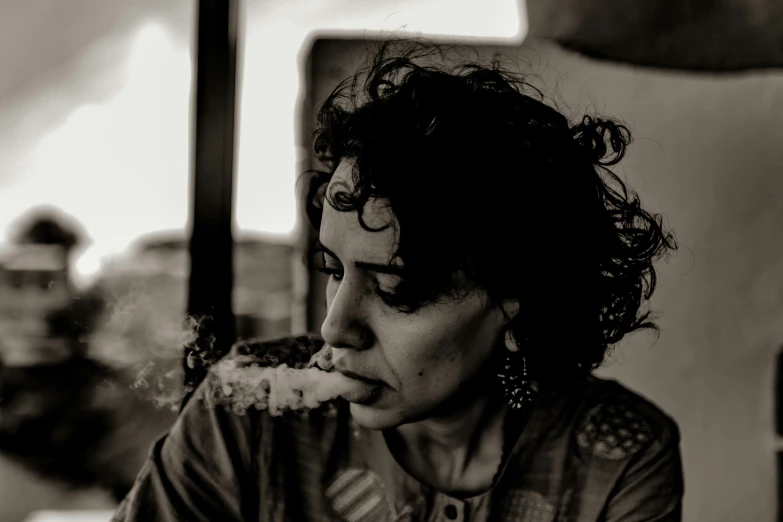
(365, 397)
(362, 378)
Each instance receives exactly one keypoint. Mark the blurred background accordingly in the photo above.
(149, 152)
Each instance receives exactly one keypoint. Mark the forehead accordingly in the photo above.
(342, 233)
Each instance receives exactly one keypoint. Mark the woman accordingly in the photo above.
(482, 259)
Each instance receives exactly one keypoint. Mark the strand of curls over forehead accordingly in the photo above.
(490, 185)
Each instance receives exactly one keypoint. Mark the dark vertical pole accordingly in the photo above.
(778, 405)
(314, 89)
(211, 241)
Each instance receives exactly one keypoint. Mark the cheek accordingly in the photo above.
(425, 365)
(429, 360)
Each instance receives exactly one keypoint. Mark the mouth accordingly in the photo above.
(364, 397)
(362, 378)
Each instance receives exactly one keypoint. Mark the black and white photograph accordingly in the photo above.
(391, 261)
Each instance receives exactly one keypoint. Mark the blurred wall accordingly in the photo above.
(707, 155)
(705, 35)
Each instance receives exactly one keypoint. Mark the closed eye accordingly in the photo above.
(363, 265)
(333, 273)
(391, 298)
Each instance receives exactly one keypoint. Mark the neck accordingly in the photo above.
(459, 448)
(454, 429)
(458, 422)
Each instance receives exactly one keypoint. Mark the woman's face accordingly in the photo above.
(419, 360)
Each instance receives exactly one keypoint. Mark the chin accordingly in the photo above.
(374, 418)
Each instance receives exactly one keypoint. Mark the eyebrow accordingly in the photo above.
(372, 267)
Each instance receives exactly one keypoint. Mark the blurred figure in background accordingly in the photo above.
(65, 413)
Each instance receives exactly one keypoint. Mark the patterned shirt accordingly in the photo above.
(596, 453)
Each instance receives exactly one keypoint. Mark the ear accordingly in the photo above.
(510, 307)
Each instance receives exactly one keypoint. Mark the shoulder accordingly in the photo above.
(632, 448)
(616, 423)
(295, 350)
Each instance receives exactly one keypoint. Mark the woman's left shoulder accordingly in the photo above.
(615, 422)
(295, 351)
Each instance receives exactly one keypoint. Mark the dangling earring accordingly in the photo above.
(517, 386)
(511, 342)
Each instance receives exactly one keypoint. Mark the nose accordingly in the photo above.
(345, 325)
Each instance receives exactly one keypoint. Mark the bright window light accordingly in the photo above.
(277, 32)
(118, 161)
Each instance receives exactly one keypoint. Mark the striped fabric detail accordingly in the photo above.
(358, 495)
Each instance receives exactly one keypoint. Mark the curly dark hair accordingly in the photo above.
(493, 188)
